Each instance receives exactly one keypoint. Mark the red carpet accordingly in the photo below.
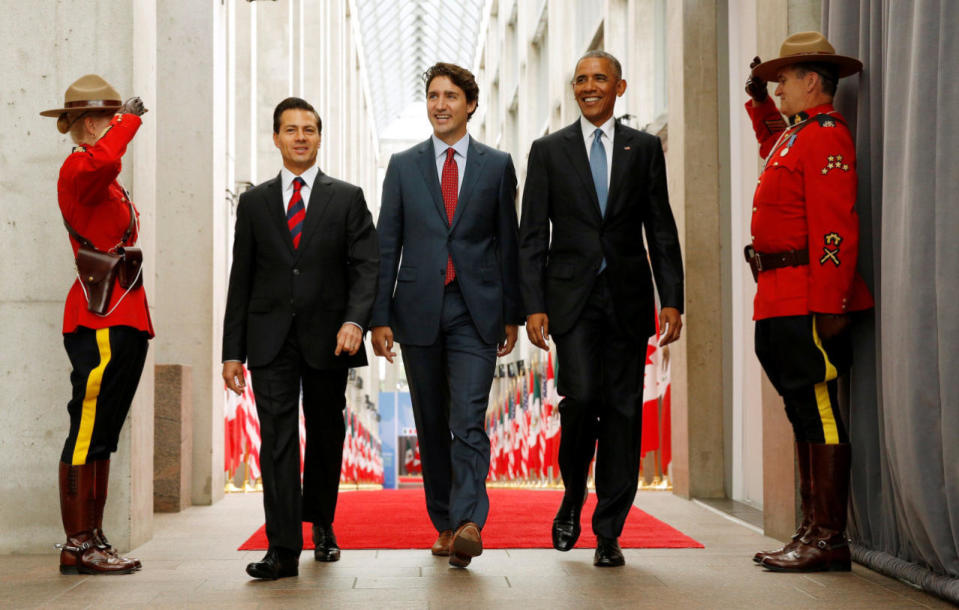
(518, 519)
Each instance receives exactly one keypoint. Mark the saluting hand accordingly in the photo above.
(755, 86)
(134, 105)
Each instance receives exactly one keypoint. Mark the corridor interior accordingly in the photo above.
(192, 561)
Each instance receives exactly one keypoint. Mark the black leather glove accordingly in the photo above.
(755, 86)
(134, 105)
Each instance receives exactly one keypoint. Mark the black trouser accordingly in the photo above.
(804, 370)
(601, 376)
(107, 364)
(449, 386)
(276, 387)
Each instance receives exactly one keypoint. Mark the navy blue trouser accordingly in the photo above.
(450, 382)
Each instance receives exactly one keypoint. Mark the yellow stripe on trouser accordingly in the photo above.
(829, 431)
(89, 411)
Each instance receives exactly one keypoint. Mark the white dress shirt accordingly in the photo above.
(609, 128)
(460, 148)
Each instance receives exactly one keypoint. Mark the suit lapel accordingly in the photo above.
(475, 160)
(576, 151)
(427, 163)
(622, 160)
(320, 195)
(274, 204)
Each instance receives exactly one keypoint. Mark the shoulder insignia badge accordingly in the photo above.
(831, 253)
(825, 120)
(834, 162)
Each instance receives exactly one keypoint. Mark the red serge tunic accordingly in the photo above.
(95, 205)
(806, 199)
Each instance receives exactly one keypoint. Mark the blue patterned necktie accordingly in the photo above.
(597, 165)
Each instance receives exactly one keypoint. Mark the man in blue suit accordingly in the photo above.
(448, 244)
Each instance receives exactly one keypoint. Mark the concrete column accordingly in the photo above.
(273, 80)
(693, 171)
(33, 365)
(190, 220)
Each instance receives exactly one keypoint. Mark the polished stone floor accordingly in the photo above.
(192, 562)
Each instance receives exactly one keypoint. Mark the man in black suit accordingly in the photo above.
(600, 184)
(305, 263)
(449, 212)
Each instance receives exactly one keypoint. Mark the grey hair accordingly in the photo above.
(617, 67)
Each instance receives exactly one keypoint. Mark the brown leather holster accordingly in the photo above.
(98, 269)
(128, 272)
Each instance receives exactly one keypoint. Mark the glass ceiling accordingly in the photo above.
(402, 38)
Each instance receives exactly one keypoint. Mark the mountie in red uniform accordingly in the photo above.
(806, 200)
(97, 207)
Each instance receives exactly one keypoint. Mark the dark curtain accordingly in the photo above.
(903, 392)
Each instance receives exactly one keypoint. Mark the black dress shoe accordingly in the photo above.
(566, 526)
(608, 554)
(276, 564)
(325, 542)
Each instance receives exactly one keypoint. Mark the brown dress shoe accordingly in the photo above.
(465, 545)
(441, 548)
(83, 553)
(805, 489)
(824, 546)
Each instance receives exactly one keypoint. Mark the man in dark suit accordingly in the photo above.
(600, 184)
(449, 212)
(301, 289)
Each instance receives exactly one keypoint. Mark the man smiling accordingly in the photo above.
(449, 213)
(301, 290)
(600, 184)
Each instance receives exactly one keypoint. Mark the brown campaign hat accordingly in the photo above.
(89, 92)
(806, 47)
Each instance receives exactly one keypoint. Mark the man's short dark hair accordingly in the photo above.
(828, 74)
(461, 77)
(617, 67)
(294, 103)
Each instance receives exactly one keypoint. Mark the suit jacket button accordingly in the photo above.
(296, 272)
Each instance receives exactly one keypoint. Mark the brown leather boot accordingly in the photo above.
(102, 485)
(83, 553)
(824, 546)
(805, 486)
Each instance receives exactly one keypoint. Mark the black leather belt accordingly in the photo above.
(764, 261)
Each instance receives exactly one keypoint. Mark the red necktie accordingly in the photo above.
(450, 186)
(296, 212)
